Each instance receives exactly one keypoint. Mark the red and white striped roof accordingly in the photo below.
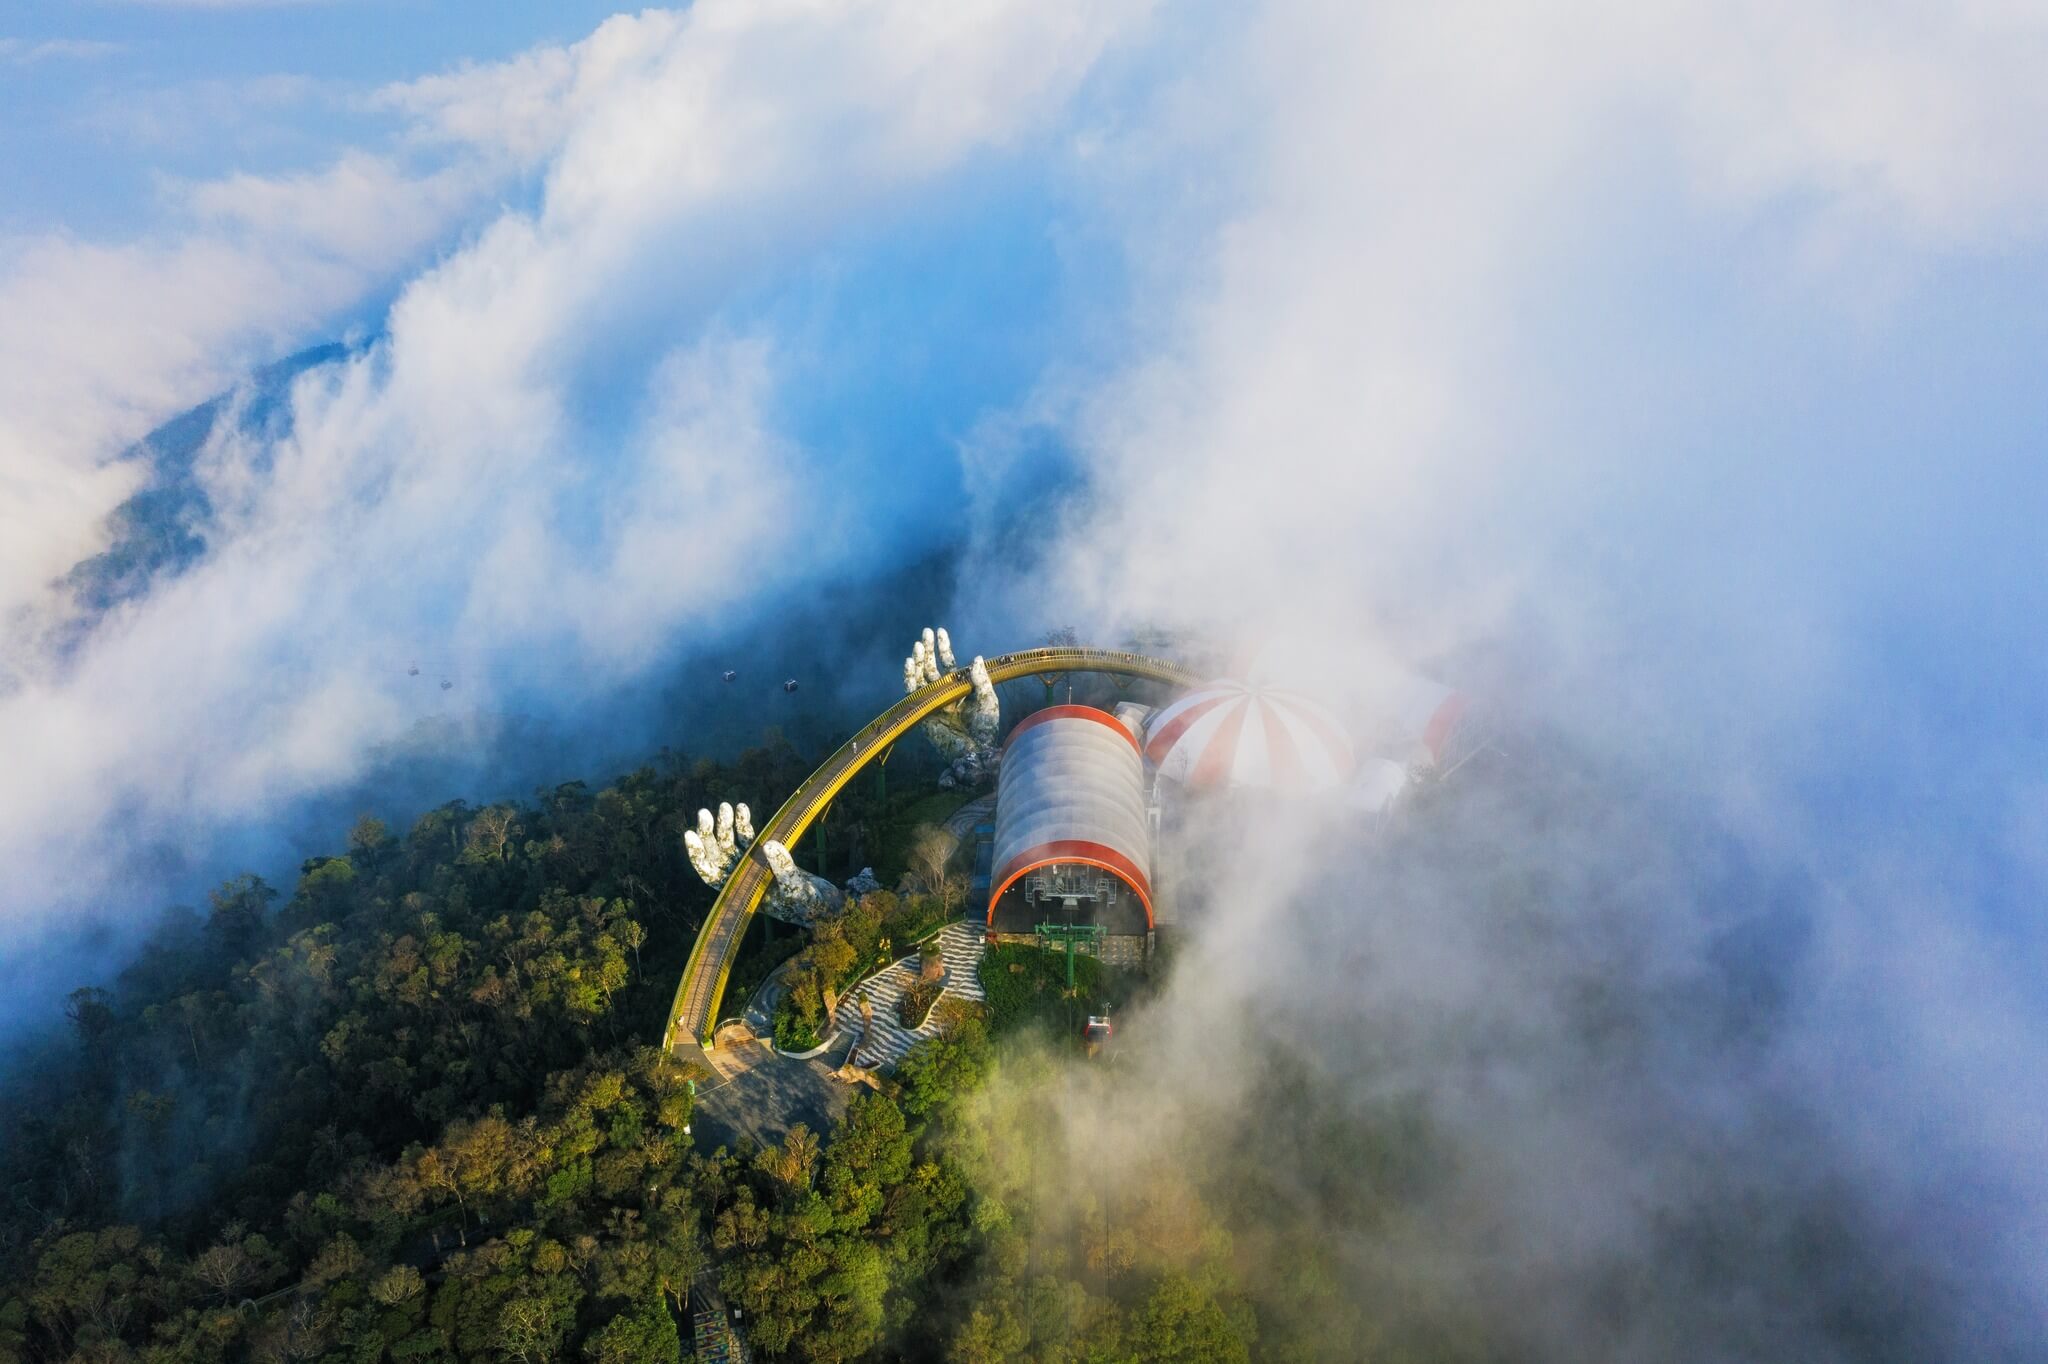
(1227, 733)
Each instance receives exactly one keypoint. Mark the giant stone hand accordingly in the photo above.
(718, 843)
(797, 896)
(714, 846)
(964, 732)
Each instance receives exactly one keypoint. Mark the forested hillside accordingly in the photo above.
(409, 1111)
(421, 1080)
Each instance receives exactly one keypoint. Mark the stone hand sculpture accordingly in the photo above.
(797, 896)
(716, 845)
(964, 732)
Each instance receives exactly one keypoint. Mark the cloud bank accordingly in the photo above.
(1602, 362)
(25, 52)
(565, 445)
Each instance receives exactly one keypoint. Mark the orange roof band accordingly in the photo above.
(1098, 855)
(1100, 717)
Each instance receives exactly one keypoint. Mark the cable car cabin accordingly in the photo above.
(1072, 841)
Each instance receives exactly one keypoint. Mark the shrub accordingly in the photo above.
(952, 1011)
(915, 1003)
(913, 917)
(396, 1285)
(1025, 984)
(795, 1028)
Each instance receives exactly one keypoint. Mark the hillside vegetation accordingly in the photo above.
(408, 1111)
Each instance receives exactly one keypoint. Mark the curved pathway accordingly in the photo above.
(694, 1012)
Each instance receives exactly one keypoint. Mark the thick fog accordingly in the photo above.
(1618, 367)
(1663, 375)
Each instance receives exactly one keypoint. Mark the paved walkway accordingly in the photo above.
(961, 822)
(962, 945)
(759, 1094)
(756, 1093)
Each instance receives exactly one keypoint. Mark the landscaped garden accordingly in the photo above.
(870, 932)
(1026, 986)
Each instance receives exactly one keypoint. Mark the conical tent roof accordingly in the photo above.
(1229, 733)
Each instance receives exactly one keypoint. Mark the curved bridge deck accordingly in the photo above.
(694, 1013)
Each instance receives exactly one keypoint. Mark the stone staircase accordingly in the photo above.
(887, 1041)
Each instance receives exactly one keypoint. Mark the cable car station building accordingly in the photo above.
(1073, 835)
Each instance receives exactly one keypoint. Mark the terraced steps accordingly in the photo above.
(888, 1041)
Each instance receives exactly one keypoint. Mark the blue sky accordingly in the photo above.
(100, 102)
(1668, 373)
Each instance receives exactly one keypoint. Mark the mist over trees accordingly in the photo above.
(408, 1110)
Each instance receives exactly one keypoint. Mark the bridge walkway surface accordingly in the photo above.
(693, 1015)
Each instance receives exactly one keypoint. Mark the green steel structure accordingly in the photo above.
(1055, 937)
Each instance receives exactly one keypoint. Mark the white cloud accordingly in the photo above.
(1358, 367)
(98, 343)
(524, 106)
(449, 483)
(28, 52)
(1920, 120)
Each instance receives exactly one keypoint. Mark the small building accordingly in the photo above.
(1073, 841)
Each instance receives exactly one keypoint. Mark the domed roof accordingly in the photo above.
(1229, 733)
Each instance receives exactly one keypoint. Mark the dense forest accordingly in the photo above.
(410, 1110)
